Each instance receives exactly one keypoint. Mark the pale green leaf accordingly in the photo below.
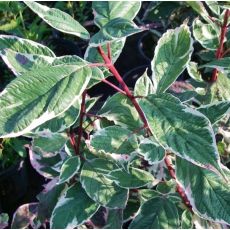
(120, 110)
(115, 29)
(182, 130)
(214, 7)
(25, 46)
(151, 151)
(114, 139)
(208, 193)
(171, 57)
(104, 11)
(186, 220)
(205, 34)
(69, 168)
(215, 111)
(193, 71)
(134, 178)
(99, 188)
(73, 208)
(157, 213)
(144, 86)
(59, 20)
(39, 96)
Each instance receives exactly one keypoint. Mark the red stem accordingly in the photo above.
(113, 86)
(109, 51)
(114, 71)
(220, 50)
(80, 131)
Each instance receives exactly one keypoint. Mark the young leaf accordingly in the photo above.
(99, 188)
(120, 110)
(115, 29)
(193, 71)
(144, 86)
(171, 57)
(151, 151)
(24, 46)
(134, 178)
(158, 213)
(208, 193)
(73, 208)
(214, 112)
(69, 168)
(104, 11)
(186, 132)
(58, 20)
(49, 91)
(206, 35)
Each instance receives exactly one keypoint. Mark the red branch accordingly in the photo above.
(114, 71)
(113, 86)
(220, 50)
(80, 131)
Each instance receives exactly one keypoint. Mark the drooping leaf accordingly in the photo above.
(134, 178)
(39, 96)
(73, 208)
(24, 215)
(144, 86)
(104, 11)
(214, 112)
(58, 20)
(208, 193)
(120, 110)
(171, 57)
(114, 219)
(194, 72)
(48, 199)
(151, 151)
(185, 131)
(206, 35)
(99, 188)
(222, 64)
(158, 213)
(69, 168)
(115, 29)
(24, 46)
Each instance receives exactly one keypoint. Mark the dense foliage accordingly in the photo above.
(149, 157)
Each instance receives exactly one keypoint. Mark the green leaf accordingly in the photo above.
(158, 213)
(186, 220)
(151, 151)
(48, 199)
(214, 112)
(205, 34)
(208, 193)
(58, 20)
(214, 7)
(104, 11)
(99, 187)
(193, 71)
(69, 168)
(24, 46)
(134, 178)
(114, 139)
(171, 57)
(144, 86)
(222, 64)
(4, 218)
(50, 142)
(120, 110)
(115, 29)
(114, 219)
(147, 194)
(199, 8)
(73, 208)
(39, 96)
(183, 130)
